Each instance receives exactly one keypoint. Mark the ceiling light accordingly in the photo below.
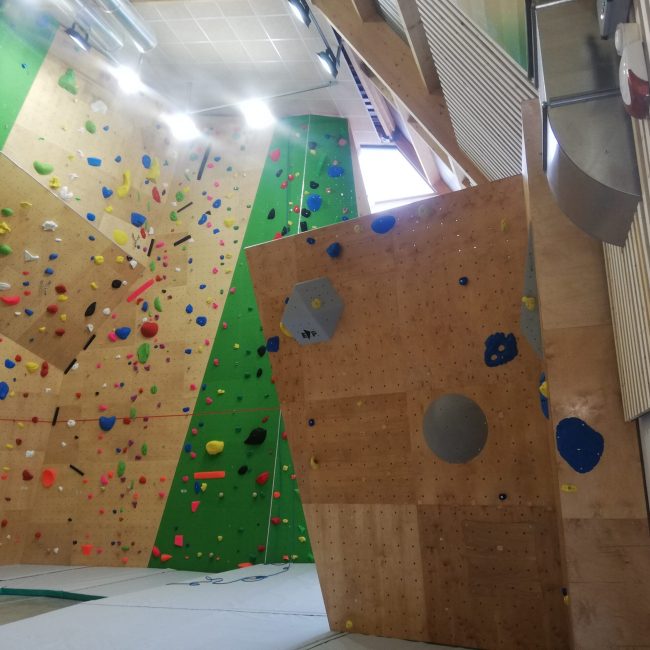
(79, 37)
(257, 113)
(181, 125)
(300, 9)
(128, 79)
(329, 61)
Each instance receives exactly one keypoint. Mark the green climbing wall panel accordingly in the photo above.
(228, 521)
(24, 42)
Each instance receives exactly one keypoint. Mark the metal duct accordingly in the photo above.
(100, 32)
(143, 38)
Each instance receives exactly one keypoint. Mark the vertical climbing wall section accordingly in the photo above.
(234, 498)
(426, 466)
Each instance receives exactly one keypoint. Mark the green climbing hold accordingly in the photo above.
(5, 249)
(180, 196)
(43, 168)
(153, 390)
(144, 449)
(143, 353)
(157, 304)
(132, 413)
(121, 468)
(68, 81)
(173, 216)
(90, 126)
(7, 212)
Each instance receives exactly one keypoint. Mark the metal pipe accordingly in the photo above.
(142, 36)
(99, 30)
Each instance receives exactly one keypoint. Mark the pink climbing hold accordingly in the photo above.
(112, 336)
(10, 300)
(103, 479)
(275, 155)
(262, 478)
(155, 551)
(165, 557)
(195, 505)
(86, 549)
(178, 540)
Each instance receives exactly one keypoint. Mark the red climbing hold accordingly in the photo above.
(262, 478)
(60, 288)
(195, 505)
(86, 549)
(275, 155)
(45, 368)
(27, 475)
(48, 476)
(52, 309)
(4, 523)
(178, 540)
(155, 194)
(10, 300)
(155, 551)
(59, 331)
(165, 557)
(276, 521)
(149, 329)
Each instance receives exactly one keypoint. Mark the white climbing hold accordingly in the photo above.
(106, 311)
(4, 286)
(75, 366)
(73, 177)
(98, 106)
(29, 257)
(29, 453)
(65, 193)
(49, 225)
(70, 423)
(133, 264)
(90, 327)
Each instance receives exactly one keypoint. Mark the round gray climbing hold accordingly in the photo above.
(455, 428)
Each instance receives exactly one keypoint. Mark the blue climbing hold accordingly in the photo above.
(202, 219)
(9, 363)
(53, 256)
(273, 344)
(107, 192)
(500, 348)
(579, 444)
(4, 390)
(90, 216)
(106, 423)
(201, 321)
(335, 171)
(138, 220)
(94, 162)
(217, 203)
(187, 447)
(381, 225)
(122, 333)
(314, 202)
(463, 281)
(311, 241)
(118, 159)
(146, 161)
(334, 250)
(145, 306)
(189, 309)
(543, 400)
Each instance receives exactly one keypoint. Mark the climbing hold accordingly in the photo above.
(256, 437)
(214, 447)
(107, 192)
(125, 187)
(381, 225)
(122, 333)
(314, 202)
(146, 161)
(106, 423)
(31, 366)
(48, 476)
(334, 250)
(90, 126)
(335, 171)
(121, 468)
(579, 444)
(271, 214)
(149, 329)
(27, 475)
(10, 300)
(49, 226)
(90, 310)
(138, 220)
(7, 212)
(43, 168)
(94, 162)
(4, 390)
(313, 463)
(463, 281)
(262, 478)
(529, 302)
(242, 470)
(201, 321)
(500, 348)
(273, 344)
(68, 81)
(144, 350)
(275, 155)
(120, 237)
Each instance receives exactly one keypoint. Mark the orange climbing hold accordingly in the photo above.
(48, 476)
(213, 474)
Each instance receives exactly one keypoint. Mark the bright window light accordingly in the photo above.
(390, 179)
(128, 80)
(257, 113)
(181, 125)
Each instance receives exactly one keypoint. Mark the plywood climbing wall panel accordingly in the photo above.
(408, 545)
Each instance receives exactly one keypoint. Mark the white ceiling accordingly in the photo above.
(212, 53)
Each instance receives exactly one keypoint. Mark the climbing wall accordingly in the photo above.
(249, 511)
(425, 463)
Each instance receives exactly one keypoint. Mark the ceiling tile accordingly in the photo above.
(247, 28)
(293, 50)
(269, 7)
(173, 10)
(279, 27)
(204, 9)
(273, 69)
(236, 7)
(175, 52)
(188, 31)
(231, 51)
(261, 51)
(203, 52)
(217, 29)
(147, 10)
(163, 32)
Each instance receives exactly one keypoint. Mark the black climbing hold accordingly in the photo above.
(284, 230)
(313, 144)
(256, 437)
(90, 310)
(310, 240)
(305, 213)
(303, 226)
(279, 173)
(261, 351)
(503, 496)
(116, 284)
(258, 374)
(271, 214)
(463, 281)
(242, 470)
(311, 422)
(313, 184)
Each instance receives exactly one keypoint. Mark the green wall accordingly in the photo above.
(231, 523)
(24, 42)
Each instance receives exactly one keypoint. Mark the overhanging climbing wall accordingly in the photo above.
(250, 510)
(462, 551)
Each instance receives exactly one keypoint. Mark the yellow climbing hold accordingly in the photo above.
(125, 188)
(229, 223)
(99, 259)
(204, 487)
(120, 237)
(108, 208)
(543, 389)
(63, 317)
(32, 366)
(54, 183)
(154, 171)
(316, 303)
(504, 225)
(41, 329)
(285, 331)
(214, 447)
(235, 346)
(25, 204)
(348, 624)
(220, 538)
(313, 463)
(93, 285)
(530, 302)
(62, 297)
(302, 539)
(4, 228)
(220, 391)
(568, 487)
